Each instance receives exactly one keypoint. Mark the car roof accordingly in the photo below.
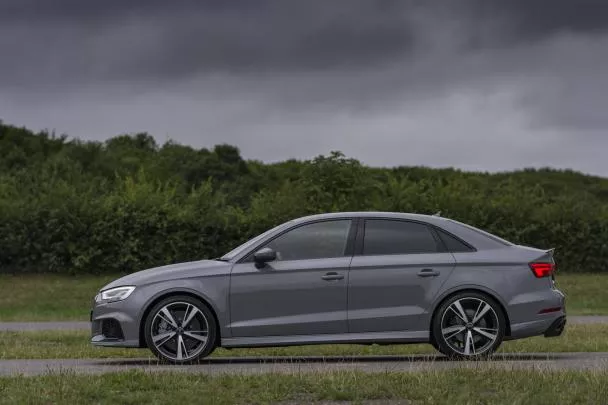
(375, 214)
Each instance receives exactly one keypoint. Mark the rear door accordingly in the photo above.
(396, 272)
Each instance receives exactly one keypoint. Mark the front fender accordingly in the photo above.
(212, 290)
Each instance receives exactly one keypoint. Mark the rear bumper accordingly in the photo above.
(539, 314)
(557, 327)
(539, 327)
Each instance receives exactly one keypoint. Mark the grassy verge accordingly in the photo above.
(57, 298)
(459, 386)
(48, 297)
(586, 294)
(75, 344)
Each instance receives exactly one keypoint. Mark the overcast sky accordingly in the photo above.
(476, 84)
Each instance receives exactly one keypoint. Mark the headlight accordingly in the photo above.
(114, 294)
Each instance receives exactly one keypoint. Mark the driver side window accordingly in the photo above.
(318, 240)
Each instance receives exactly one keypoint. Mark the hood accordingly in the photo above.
(171, 272)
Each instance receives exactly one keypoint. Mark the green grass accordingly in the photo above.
(482, 385)
(48, 297)
(75, 344)
(62, 298)
(586, 294)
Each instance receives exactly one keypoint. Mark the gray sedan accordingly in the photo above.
(353, 277)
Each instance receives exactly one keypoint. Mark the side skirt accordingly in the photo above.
(355, 338)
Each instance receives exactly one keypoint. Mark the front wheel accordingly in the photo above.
(180, 330)
(469, 325)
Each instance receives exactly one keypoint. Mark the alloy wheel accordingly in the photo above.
(470, 326)
(179, 331)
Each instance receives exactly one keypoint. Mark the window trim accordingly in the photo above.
(488, 235)
(441, 246)
(348, 249)
(438, 229)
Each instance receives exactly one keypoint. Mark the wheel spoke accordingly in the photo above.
(469, 343)
(200, 337)
(483, 332)
(458, 310)
(182, 351)
(163, 338)
(189, 316)
(166, 315)
(481, 311)
(452, 331)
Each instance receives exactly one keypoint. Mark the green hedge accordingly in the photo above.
(129, 204)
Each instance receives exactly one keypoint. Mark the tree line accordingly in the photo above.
(73, 206)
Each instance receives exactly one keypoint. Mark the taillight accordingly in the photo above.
(541, 270)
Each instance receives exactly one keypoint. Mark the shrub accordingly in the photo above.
(69, 206)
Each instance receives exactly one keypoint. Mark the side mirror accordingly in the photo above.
(264, 256)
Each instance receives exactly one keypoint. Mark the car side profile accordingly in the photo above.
(352, 277)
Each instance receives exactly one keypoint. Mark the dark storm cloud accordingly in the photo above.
(72, 40)
(84, 11)
(173, 40)
(535, 19)
(305, 76)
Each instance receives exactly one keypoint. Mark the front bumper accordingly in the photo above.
(113, 325)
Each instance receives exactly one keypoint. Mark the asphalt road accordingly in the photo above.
(34, 326)
(541, 361)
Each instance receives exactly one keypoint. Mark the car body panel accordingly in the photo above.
(201, 268)
(421, 336)
(289, 298)
(386, 293)
(207, 279)
(506, 275)
(380, 299)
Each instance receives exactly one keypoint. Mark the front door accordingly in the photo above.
(303, 292)
(395, 276)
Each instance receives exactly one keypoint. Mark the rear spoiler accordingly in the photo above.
(547, 255)
(543, 255)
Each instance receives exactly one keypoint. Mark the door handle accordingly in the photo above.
(428, 273)
(332, 275)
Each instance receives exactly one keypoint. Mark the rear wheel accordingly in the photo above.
(469, 325)
(180, 330)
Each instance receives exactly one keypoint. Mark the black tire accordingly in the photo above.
(175, 350)
(433, 343)
(488, 332)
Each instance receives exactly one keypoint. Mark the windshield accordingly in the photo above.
(251, 242)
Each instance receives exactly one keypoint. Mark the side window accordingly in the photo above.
(313, 241)
(389, 237)
(453, 244)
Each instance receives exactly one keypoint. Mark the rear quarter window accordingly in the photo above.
(452, 243)
(479, 239)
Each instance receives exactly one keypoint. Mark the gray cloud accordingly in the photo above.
(493, 81)
(173, 40)
(529, 20)
(156, 39)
